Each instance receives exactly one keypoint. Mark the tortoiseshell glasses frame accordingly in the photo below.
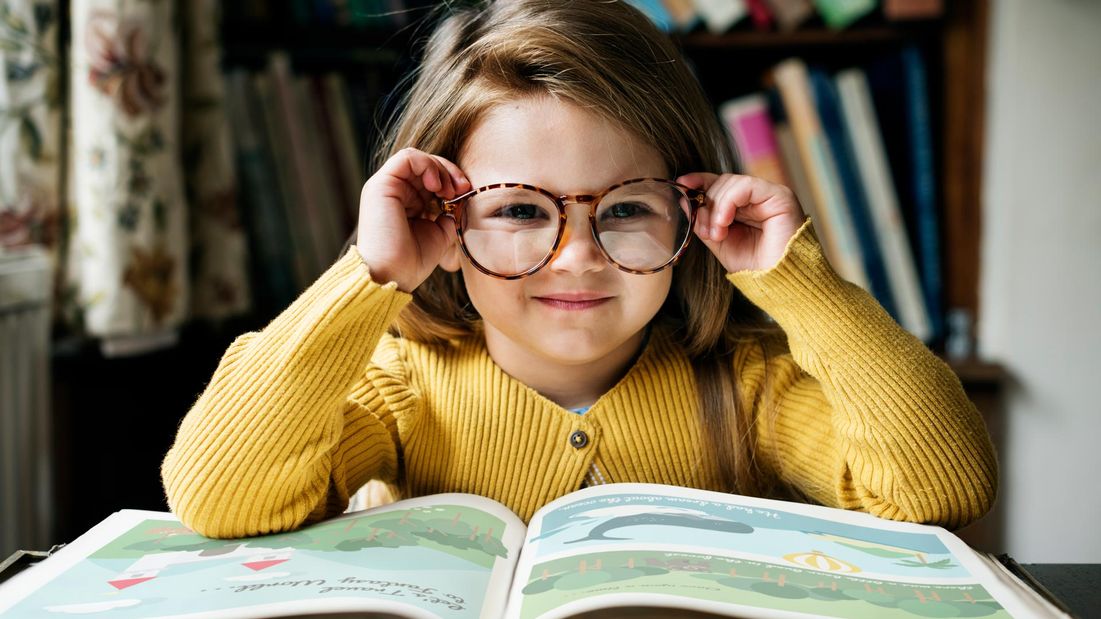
(454, 209)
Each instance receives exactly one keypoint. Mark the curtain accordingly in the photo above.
(135, 244)
(218, 244)
(30, 125)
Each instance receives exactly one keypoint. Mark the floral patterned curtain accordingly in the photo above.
(219, 247)
(128, 226)
(30, 125)
(131, 255)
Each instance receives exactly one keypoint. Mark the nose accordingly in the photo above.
(578, 252)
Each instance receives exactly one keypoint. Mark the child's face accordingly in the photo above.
(566, 150)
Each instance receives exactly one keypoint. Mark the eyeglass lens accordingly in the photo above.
(510, 230)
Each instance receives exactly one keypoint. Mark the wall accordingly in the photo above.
(1041, 273)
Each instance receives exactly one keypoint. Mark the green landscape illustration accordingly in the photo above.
(437, 557)
(752, 583)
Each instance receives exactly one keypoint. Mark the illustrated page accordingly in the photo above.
(427, 557)
(640, 544)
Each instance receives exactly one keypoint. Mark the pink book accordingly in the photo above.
(747, 120)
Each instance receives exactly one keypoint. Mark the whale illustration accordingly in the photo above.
(670, 520)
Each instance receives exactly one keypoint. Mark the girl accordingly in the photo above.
(555, 326)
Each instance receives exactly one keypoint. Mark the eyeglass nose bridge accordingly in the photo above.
(563, 237)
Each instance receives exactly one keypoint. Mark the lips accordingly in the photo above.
(573, 297)
(573, 300)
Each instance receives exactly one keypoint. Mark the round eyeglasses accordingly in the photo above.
(511, 230)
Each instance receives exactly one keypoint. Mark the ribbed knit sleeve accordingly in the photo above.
(295, 416)
(860, 414)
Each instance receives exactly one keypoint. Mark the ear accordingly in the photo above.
(452, 257)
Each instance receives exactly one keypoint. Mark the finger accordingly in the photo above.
(447, 184)
(459, 182)
(697, 180)
(751, 192)
(726, 207)
(414, 166)
(703, 223)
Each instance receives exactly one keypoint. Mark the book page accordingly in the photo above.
(632, 545)
(447, 555)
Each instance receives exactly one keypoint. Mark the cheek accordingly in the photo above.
(492, 298)
(650, 291)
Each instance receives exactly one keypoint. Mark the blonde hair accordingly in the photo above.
(609, 59)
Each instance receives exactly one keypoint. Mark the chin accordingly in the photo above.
(572, 348)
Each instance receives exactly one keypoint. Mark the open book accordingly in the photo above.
(641, 549)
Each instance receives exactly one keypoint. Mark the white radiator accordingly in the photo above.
(26, 513)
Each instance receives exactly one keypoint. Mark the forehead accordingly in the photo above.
(556, 145)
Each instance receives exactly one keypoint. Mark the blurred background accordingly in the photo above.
(173, 174)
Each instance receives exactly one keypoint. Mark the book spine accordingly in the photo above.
(899, 10)
(793, 165)
(843, 13)
(837, 135)
(760, 15)
(794, 85)
(325, 111)
(349, 157)
(748, 122)
(272, 264)
(721, 15)
(683, 13)
(304, 265)
(871, 162)
(301, 158)
(320, 166)
(790, 14)
(924, 184)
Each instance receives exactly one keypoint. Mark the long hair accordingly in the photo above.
(607, 58)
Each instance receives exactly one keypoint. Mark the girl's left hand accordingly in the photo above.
(747, 222)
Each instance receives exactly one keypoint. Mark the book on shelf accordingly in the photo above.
(632, 549)
(351, 158)
(683, 14)
(721, 15)
(789, 157)
(790, 14)
(305, 263)
(890, 229)
(842, 247)
(750, 127)
(321, 165)
(836, 131)
(897, 82)
(760, 15)
(273, 265)
(303, 159)
(899, 10)
(840, 14)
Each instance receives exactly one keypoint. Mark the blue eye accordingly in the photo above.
(625, 210)
(520, 212)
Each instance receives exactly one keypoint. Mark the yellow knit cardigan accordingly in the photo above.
(302, 413)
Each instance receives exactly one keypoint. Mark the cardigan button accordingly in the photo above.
(579, 439)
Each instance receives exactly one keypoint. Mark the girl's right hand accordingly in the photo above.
(397, 236)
